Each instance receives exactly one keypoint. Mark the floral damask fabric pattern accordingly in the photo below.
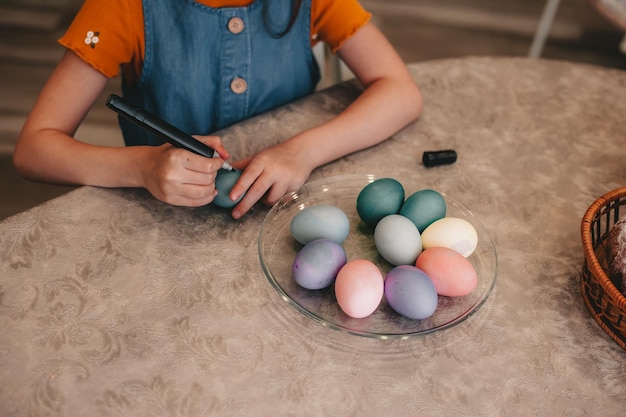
(114, 304)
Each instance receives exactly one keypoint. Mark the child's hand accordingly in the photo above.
(182, 178)
(268, 176)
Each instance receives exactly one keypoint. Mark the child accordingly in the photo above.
(203, 65)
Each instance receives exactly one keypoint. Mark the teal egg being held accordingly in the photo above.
(224, 182)
(379, 199)
(423, 208)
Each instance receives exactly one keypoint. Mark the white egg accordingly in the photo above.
(397, 240)
(451, 232)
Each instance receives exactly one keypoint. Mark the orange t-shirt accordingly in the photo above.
(109, 35)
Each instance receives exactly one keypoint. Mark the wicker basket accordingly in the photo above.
(606, 304)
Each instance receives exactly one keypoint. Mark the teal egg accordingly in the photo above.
(379, 199)
(224, 182)
(423, 208)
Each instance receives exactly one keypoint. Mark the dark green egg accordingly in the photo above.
(423, 208)
(378, 199)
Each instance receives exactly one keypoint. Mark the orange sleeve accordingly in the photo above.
(335, 21)
(108, 35)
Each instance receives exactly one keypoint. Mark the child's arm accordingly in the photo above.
(46, 150)
(391, 100)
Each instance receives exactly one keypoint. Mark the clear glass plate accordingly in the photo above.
(278, 249)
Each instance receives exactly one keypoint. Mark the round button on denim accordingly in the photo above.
(238, 85)
(236, 25)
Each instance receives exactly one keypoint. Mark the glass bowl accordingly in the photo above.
(278, 249)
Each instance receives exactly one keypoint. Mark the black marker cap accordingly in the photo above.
(436, 158)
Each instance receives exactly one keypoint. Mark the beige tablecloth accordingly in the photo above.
(114, 304)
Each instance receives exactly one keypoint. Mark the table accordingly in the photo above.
(114, 304)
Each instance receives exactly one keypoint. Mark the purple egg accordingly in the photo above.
(410, 292)
(317, 264)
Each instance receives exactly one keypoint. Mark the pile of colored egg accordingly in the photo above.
(428, 251)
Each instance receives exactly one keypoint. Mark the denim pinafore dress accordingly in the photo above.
(207, 68)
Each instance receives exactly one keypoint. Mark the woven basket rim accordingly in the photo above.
(590, 255)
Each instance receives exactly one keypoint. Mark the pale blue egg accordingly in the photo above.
(410, 292)
(320, 221)
(397, 240)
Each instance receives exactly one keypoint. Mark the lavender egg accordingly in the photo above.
(410, 292)
(317, 264)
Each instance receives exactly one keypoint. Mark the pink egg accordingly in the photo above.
(359, 288)
(452, 274)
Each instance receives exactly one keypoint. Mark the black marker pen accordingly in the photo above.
(161, 128)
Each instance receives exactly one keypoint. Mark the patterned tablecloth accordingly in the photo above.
(114, 304)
